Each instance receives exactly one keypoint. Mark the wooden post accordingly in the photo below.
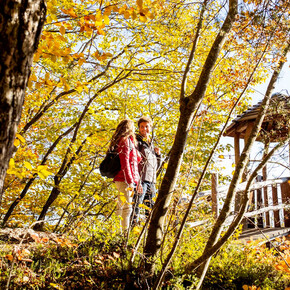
(266, 204)
(259, 203)
(237, 158)
(277, 222)
(285, 192)
(246, 223)
(266, 198)
(237, 147)
(214, 194)
(247, 135)
(252, 221)
(266, 151)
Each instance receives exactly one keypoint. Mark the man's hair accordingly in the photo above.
(145, 119)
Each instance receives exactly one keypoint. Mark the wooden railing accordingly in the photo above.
(269, 202)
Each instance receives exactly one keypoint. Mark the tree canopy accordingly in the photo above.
(187, 65)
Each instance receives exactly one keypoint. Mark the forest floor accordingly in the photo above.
(41, 260)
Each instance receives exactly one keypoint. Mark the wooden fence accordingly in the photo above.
(269, 205)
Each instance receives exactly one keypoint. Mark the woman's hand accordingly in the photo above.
(139, 188)
(157, 150)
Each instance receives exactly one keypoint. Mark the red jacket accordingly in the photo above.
(129, 158)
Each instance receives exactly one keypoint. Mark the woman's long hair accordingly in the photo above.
(123, 131)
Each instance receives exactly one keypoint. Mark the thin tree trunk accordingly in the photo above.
(187, 107)
(179, 234)
(31, 180)
(65, 163)
(215, 234)
(21, 23)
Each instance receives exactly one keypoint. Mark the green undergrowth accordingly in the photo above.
(239, 266)
(101, 261)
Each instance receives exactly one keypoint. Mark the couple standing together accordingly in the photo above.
(139, 163)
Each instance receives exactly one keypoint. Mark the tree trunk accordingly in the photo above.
(187, 107)
(66, 164)
(20, 28)
(214, 242)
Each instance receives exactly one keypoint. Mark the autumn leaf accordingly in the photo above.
(11, 163)
(62, 30)
(123, 199)
(139, 3)
(43, 172)
(136, 230)
(36, 238)
(21, 139)
(106, 20)
(27, 165)
(44, 239)
(143, 18)
(9, 257)
(56, 286)
(70, 12)
(16, 142)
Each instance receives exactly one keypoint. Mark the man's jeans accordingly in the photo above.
(146, 197)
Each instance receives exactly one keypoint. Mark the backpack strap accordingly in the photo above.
(131, 145)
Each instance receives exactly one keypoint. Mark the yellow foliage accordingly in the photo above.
(62, 30)
(123, 198)
(70, 12)
(143, 18)
(246, 287)
(16, 142)
(42, 171)
(27, 165)
(119, 64)
(11, 163)
(139, 3)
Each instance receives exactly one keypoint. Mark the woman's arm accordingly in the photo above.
(124, 154)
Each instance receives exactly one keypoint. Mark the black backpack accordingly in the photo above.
(111, 165)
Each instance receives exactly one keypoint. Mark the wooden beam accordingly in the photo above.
(247, 135)
(266, 151)
(248, 130)
(277, 222)
(285, 192)
(237, 158)
(237, 147)
(266, 204)
(265, 209)
(214, 194)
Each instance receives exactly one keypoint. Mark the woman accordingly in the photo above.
(126, 180)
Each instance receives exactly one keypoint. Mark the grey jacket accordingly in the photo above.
(150, 160)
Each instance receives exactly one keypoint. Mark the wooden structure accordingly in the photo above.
(275, 126)
(270, 199)
(270, 204)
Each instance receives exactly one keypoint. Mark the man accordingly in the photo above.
(148, 166)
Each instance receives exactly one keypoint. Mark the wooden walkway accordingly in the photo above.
(267, 234)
